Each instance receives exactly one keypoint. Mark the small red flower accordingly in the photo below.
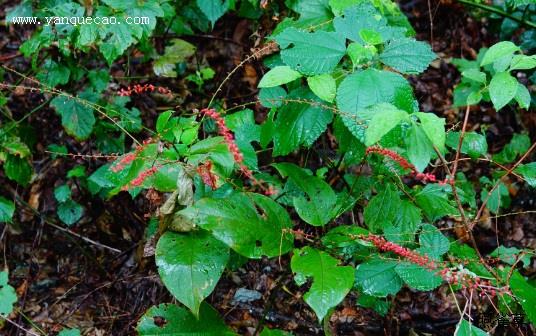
(139, 89)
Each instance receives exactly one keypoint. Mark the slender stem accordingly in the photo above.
(500, 12)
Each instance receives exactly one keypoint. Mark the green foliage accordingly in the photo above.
(330, 282)
(8, 297)
(190, 265)
(7, 209)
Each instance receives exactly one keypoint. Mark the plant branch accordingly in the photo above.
(500, 12)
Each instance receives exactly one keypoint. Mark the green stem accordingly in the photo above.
(499, 12)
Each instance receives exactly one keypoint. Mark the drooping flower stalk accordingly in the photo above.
(424, 177)
(130, 157)
(466, 279)
(139, 89)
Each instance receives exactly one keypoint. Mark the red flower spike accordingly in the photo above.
(139, 89)
(424, 177)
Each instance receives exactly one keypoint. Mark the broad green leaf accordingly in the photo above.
(474, 144)
(419, 146)
(311, 53)
(8, 296)
(272, 97)
(18, 169)
(378, 277)
(177, 52)
(466, 328)
(379, 305)
(382, 209)
(502, 89)
(497, 199)
(77, 118)
(311, 11)
(475, 75)
(525, 294)
(519, 144)
(381, 123)
(523, 62)
(433, 200)
(62, 193)
(190, 265)
(510, 255)
(498, 51)
(408, 55)
(370, 37)
(319, 207)
(69, 332)
(7, 209)
(434, 128)
(251, 224)
(278, 76)
(363, 89)
(15, 146)
(365, 16)
(407, 221)
(522, 96)
(213, 9)
(299, 123)
(359, 53)
(330, 282)
(433, 242)
(418, 277)
(70, 212)
(53, 74)
(528, 171)
(338, 6)
(323, 86)
(116, 39)
(171, 320)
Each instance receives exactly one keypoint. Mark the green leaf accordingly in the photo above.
(251, 224)
(69, 332)
(498, 51)
(274, 332)
(408, 55)
(190, 265)
(382, 209)
(330, 284)
(522, 96)
(389, 117)
(475, 75)
(177, 52)
(299, 123)
(434, 128)
(419, 146)
(418, 277)
(474, 144)
(53, 74)
(433, 242)
(528, 171)
(497, 199)
(365, 16)
(433, 200)
(319, 207)
(171, 320)
(525, 294)
(116, 39)
(70, 212)
(62, 193)
(18, 169)
(8, 296)
(272, 97)
(278, 76)
(213, 9)
(510, 255)
(77, 118)
(378, 277)
(359, 54)
(7, 209)
(523, 62)
(323, 86)
(519, 144)
(465, 328)
(15, 146)
(363, 89)
(311, 53)
(502, 89)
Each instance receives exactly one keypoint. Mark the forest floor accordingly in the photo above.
(63, 280)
